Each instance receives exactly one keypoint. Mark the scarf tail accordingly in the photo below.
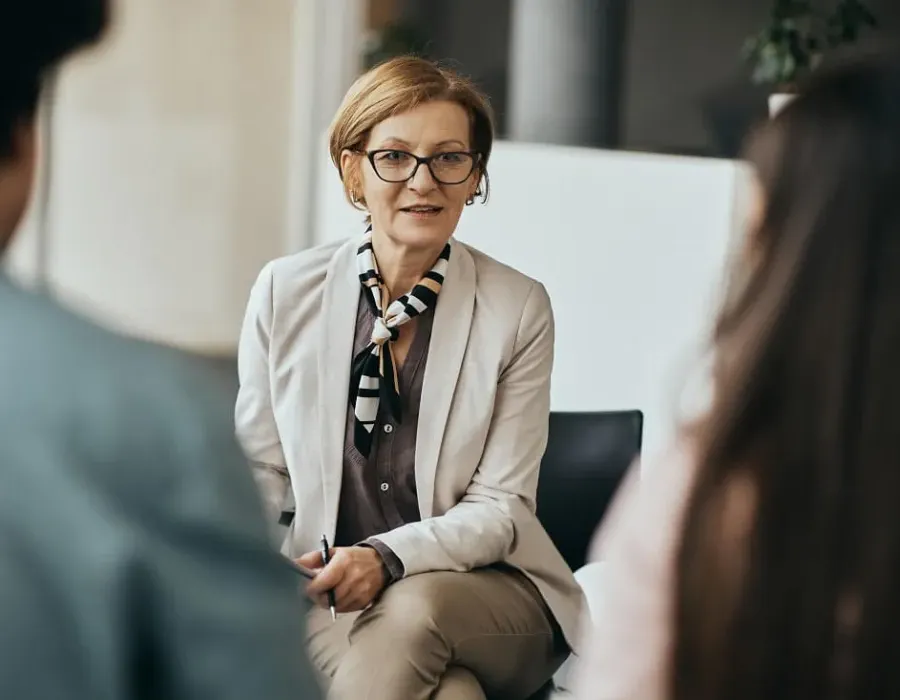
(374, 373)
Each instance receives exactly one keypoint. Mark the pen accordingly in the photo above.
(325, 559)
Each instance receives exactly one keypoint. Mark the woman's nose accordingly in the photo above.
(422, 180)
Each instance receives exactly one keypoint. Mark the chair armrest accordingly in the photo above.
(590, 578)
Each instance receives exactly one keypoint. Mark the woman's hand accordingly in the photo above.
(355, 574)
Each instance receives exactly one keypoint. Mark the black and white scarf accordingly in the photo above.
(373, 377)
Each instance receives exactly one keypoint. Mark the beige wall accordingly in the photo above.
(178, 160)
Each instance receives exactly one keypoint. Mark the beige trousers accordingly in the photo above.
(442, 635)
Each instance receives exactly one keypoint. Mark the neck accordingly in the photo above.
(6, 235)
(401, 267)
(15, 185)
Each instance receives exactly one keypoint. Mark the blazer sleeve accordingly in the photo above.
(482, 528)
(255, 423)
(627, 643)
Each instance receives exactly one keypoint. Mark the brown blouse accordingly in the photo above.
(379, 493)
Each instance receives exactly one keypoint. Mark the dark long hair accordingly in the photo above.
(799, 597)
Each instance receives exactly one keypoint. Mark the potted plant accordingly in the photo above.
(396, 39)
(796, 37)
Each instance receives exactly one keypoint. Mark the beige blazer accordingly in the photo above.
(482, 423)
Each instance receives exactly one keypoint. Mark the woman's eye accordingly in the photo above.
(393, 156)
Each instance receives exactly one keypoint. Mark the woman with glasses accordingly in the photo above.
(394, 394)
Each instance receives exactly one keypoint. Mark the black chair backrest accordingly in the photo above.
(587, 455)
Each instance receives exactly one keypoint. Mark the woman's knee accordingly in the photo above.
(459, 683)
(414, 611)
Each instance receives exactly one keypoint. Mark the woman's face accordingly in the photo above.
(420, 213)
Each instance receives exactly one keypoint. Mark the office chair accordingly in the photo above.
(586, 457)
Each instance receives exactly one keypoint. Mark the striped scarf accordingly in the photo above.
(374, 374)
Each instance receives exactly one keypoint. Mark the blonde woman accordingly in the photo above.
(395, 388)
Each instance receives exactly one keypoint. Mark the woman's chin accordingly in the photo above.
(422, 232)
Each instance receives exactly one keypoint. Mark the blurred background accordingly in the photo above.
(189, 150)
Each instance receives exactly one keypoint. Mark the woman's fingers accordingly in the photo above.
(328, 578)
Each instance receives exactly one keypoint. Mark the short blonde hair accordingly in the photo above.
(399, 85)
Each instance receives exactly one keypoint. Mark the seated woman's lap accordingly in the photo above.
(491, 621)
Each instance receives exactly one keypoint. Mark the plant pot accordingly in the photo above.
(778, 100)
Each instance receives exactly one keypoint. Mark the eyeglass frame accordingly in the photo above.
(476, 157)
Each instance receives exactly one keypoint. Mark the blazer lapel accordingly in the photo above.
(340, 301)
(449, 338)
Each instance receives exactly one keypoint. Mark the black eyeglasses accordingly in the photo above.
(450, 168)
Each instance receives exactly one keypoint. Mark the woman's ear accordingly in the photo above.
(475, 185)
(480, 186)
(348, 161)
(350, 175)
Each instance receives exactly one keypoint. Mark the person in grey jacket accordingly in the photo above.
(134, 557)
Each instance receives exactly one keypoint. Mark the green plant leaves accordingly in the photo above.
(394, 40)
(796, 35)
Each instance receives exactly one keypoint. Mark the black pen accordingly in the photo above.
(326, 557)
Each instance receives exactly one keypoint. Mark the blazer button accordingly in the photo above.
(388, 428)
(384, 486)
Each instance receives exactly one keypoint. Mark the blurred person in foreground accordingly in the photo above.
(762, 560)
(134, 559)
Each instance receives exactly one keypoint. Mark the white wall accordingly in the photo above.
(631, 248)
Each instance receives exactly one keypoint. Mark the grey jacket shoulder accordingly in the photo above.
(107, 396)
(130, 525)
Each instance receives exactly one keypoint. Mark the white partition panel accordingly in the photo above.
(631, 248)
